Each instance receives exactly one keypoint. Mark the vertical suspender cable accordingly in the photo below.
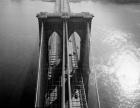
(68, 68)
(63, 68)
(38, 101)
(97, 91)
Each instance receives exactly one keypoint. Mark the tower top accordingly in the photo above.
(62, 6)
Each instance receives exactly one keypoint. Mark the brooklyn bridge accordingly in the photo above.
(63, 70)
(68, 58)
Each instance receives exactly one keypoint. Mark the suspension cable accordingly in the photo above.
(97, 90)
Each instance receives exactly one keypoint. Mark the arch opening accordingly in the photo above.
(74, 44)
(74, 49)
(54, 49)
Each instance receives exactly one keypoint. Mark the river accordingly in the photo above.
(115, 52)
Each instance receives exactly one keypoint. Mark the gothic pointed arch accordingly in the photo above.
(54, 48)
(74, 44)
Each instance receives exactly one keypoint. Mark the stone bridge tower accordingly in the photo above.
(63, 67)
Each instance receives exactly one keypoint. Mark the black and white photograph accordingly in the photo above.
(69, 53)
